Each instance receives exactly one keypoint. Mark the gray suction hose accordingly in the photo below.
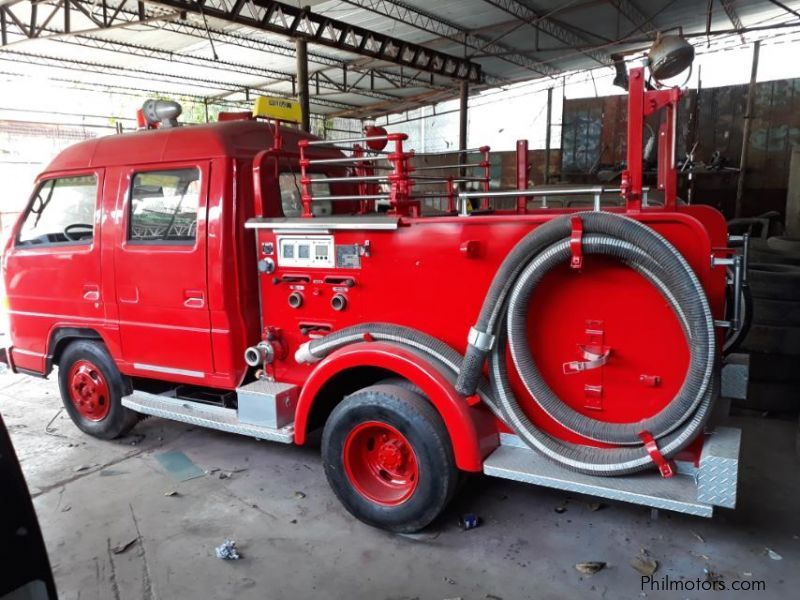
(502, 324)
(697, 326)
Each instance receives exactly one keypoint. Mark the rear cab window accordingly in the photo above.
(163, 206)
(291, 195)
(62, 212)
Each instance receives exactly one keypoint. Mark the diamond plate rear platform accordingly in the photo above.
(713, 483)
(719, 468)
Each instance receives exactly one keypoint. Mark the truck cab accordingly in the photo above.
(138, 240)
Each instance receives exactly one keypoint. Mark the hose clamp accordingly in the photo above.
(594, 357)
(576, 242)
(480, 339)
(665, 466)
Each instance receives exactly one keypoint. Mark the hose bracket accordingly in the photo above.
(594, 357)
(665, 467)
(576, 243)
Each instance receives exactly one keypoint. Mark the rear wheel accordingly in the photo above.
(92, 388)
(388, 458)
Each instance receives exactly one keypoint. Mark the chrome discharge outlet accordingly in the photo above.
(339, 302)
(295, 300)
(261, 354)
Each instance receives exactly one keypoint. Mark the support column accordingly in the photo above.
(462, 116)
(462, 121)
(301, 48)
(522, 174)
(546, 169)
(748, 118)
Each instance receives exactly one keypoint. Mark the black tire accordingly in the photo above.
(777, 282)
(785, 244)
(760, 252)
(421, 426)
(776, 312)
(769, 339)
(112, 419)
(401, 382)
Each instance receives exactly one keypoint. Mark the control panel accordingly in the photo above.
(314, 251)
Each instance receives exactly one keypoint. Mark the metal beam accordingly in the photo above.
(127, 72)
(273, 75)
(102, 15)
(525, 13)
(443, 28)
(384, 108)
(727, 6)
(784, 7)
(302, 23)
(126, 90)
(632, 12)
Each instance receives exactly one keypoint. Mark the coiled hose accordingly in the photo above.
(502, 323)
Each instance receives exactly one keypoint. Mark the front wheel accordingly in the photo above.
(92, 388)
(388, 458)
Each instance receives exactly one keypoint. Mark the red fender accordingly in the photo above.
(471, 429)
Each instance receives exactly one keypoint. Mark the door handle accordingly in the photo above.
(194, 299)
(91, 292)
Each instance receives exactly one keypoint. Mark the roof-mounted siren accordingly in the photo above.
(670, 56)
(161, 113)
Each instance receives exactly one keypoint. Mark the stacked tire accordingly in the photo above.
(773, 340)
(779, 249)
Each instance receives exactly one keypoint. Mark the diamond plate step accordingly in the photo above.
(678, 493)
(203, 415)
(714, 483)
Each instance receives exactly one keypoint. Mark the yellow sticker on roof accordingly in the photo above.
(282, 109)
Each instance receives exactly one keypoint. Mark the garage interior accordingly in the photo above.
(141, 516)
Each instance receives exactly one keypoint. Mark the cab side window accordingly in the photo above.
(62, 212)
(163, 206)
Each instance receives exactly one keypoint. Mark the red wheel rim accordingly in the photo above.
(380, 463)
(88, 391)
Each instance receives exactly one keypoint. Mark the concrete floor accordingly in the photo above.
(298, 546)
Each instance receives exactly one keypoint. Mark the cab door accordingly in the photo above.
(160, 266)
(52, 266)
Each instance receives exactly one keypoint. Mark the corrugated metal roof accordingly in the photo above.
(512, 40)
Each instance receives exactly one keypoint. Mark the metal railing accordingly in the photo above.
(596, 192)
(397, 183)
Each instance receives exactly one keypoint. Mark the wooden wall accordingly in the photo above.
(594, 138)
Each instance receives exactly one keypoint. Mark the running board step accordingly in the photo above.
(204, 415)
(712, 484)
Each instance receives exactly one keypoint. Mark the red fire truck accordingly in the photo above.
(248, 277)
